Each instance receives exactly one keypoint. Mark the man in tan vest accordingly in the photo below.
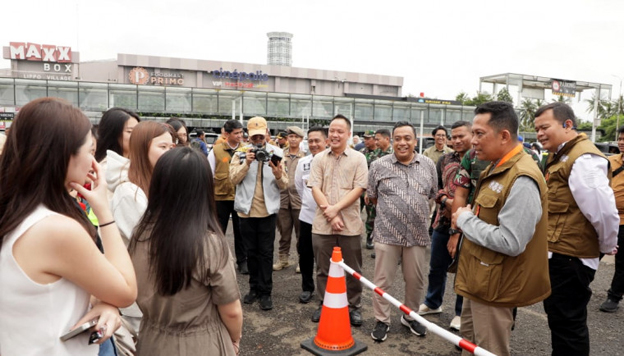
(582, 223)
(290, 201)
(503, 258)
(219, 159)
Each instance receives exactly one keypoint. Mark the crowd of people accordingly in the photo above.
(124, 225)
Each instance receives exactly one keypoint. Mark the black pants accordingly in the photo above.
(259, 237)
(567, 305)
(306, 256)
(224, 210)
(617, 285)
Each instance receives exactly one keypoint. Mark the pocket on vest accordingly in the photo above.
(484, 274)
(557, 216)
(223, 186)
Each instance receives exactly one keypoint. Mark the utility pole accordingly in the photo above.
(619, 99)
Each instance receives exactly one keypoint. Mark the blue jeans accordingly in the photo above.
(107, 348)
(438, 265)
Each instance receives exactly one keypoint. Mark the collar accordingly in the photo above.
(345, 152)
(415, 159)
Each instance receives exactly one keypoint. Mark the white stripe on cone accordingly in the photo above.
(335, 271)
(335, 301)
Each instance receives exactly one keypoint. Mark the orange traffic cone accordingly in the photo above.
(334, 331)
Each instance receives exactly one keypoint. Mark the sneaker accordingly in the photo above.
(414, 326)
(380, 333)
(316, 316)
(305, 296)
(355, 317)
(281, 264)
(242, 268)
(251, 297)
(266, 303)
(455, 323)
(609, 306)
(424, 310)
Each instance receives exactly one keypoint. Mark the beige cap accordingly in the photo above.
(295, 130)
(257, 126)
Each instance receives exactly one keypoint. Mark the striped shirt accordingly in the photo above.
(403, 193)
(336, 176)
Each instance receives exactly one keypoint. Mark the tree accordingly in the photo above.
(602, 103)
(562, 99)
(503, 95)
(527, 114)
(462, 97)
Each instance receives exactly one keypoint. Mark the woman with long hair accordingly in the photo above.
(129, 179)
(180, 128)
(50, 267)
(187, 281)
(114, 132)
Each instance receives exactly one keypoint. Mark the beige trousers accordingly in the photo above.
(487, 326)
(414, 271)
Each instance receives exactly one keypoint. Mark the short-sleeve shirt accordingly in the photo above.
(403, 193)
(336, 176)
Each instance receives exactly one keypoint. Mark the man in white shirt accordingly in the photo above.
(317, 142)
(583, 223)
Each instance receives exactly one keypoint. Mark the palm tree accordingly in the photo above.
(527, 113)
(562, 99)
(462, 97)
(601, 107)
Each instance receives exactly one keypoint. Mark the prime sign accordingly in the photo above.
(41, 53)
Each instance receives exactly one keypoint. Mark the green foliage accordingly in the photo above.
(503, 95)
(476, 100)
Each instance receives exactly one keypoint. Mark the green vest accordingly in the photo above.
(493, 278)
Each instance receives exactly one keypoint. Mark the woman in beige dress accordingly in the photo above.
(185, 273)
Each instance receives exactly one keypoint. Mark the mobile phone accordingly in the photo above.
(79, 330)
(275, 159)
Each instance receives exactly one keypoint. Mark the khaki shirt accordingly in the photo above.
(336, 176)
(435, 154)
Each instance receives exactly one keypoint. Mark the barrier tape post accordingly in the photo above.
(445, 334)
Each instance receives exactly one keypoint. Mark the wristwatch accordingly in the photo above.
(454, 231)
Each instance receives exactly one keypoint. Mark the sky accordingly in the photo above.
(440, 47)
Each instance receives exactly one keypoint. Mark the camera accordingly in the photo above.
(262, 155)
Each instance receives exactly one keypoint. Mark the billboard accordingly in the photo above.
(563, 87)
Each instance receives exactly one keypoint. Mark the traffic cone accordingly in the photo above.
(334, 331)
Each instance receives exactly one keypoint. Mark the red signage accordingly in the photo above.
(41, 53)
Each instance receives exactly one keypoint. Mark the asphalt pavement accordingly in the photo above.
(280, 331)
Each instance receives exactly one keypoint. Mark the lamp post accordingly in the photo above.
(619, 100)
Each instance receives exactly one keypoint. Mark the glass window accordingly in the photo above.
(383, 110)
(254, 103)
(151, 99)
(205, 101)
(279, 105)
(419, 113)
(226, 97)
(7, 91)
(401, 112)
(93, 96)
(452, 115)
(468, 113)
(300, 105)
(363, 110)
(344, 106)
(322, 107)
(64, 90)
(27, 90)
(123, 96)
(178, 100)
(435, 115)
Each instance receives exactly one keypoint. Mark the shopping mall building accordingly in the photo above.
(206, 92)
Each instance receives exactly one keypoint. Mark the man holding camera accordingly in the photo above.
(257, 172)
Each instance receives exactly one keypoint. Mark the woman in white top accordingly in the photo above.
(50, 268)
(129, 179)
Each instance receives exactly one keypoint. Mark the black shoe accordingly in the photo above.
(316, 316)
(251, 297)
(369, 243)
(380, 333)
(305, 296)
(242, 268)
(373, 255)
(414, 326)
(355, 317)
(609, 306)
(266, 303)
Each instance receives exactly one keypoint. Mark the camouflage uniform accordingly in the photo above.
(370, 208)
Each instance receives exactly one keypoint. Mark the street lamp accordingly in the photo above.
(617, 119)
